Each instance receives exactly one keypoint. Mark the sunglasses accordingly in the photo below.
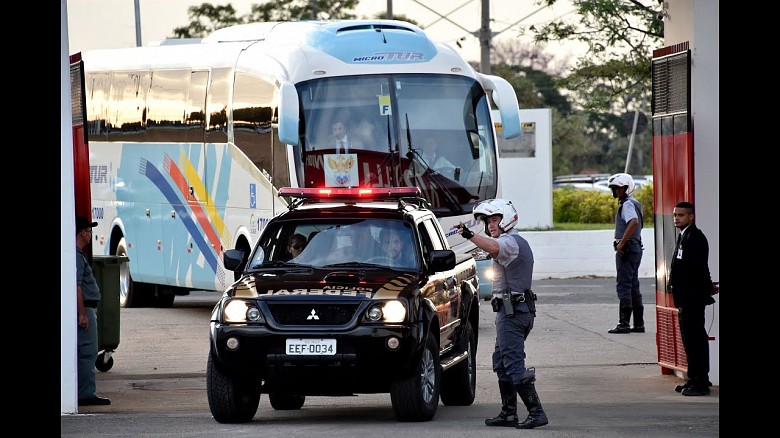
(297, 247)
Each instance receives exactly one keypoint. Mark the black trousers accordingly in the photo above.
(695, 341)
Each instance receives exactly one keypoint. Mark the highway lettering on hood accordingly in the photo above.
(347, 291)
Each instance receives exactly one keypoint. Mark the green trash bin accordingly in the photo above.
(107, 275)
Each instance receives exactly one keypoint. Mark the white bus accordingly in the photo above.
(191, 140)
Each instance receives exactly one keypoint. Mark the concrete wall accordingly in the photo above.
(698, 22)
(568, 254)
(527, 181)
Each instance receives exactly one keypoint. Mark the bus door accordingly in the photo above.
(188, 226)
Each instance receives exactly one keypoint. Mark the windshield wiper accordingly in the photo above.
(416, 157)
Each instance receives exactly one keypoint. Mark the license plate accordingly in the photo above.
(323, 347)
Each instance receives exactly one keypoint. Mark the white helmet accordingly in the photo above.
(622, 180)
(501, 207)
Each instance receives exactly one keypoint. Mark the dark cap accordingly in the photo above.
(83, 223)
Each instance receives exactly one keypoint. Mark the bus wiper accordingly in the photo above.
(416, 157)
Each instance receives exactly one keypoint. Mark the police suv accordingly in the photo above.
(349, 291)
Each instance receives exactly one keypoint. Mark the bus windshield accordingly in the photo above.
(432, 131)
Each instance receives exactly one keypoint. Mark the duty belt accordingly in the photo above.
(517, 297)
(91, 303)
(629, 240)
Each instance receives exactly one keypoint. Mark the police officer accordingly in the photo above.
(513, 302)
(628, 254)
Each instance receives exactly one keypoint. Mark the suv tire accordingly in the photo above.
(416, 397)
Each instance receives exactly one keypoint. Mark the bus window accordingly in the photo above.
(166, 106)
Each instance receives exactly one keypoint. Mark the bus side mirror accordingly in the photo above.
(289, 114)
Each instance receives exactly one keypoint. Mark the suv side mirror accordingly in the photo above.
(232, 259)
(442, 260)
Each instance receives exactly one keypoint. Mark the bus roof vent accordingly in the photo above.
(241, 32)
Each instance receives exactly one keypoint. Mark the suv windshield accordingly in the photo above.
(338, 242)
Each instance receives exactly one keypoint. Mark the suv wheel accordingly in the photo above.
(416, 397)
(459, 383)
(231, 399)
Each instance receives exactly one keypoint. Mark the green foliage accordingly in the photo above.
(595, 207)
(206, 18)
(586, 206)
(620, 36)
(646, 198)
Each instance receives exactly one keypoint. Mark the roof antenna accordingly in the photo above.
(379, 29)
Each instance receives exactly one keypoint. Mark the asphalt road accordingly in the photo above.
(590, 383)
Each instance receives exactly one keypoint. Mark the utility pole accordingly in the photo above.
(633, 134)
(137, 23)
(484, 39)
(389, 9)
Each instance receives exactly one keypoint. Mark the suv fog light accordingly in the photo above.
(393, 343)
(232, 343)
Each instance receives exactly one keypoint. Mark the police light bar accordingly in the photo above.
(349, 194)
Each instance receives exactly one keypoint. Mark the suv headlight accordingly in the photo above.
(242, 311)
(389, 311)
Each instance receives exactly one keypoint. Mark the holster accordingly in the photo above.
(530, 299)
(503, 303)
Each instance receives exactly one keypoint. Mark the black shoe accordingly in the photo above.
(679, 388)
(502, 420)
(94, 401)
(696, 390)
(620, 329)
(640, 329)
(688, 384)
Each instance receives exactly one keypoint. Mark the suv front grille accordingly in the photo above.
(312, 314)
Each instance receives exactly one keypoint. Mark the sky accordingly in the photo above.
(102, 24)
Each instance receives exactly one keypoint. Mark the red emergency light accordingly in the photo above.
(349, 194)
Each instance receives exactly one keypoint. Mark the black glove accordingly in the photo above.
(467, 234)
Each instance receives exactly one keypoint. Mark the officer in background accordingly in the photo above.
(87, 298)
(628, 254)
(513, 302)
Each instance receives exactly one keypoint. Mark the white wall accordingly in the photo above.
(568, 254)
(68, 373)
(527, 181)
(697, 21)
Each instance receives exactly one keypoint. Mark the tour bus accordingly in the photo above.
(190, 140)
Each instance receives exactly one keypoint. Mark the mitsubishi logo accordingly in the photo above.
(312, 316)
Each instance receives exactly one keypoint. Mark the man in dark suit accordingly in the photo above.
(692, 290)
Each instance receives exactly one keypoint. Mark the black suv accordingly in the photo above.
(347, 292)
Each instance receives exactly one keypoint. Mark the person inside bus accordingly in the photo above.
(340, 141)
(434, 160)
(295, 245)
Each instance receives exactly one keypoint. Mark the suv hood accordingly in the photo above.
(369, 284)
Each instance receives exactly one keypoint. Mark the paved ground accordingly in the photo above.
(590, 383)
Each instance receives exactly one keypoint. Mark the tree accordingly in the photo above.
(609, 82)
(207, 18)
(620, 36)
(290, 10)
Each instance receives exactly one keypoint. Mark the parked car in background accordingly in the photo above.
(585, 181)
(595, 181)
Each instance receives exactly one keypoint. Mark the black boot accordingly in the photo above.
(508, 415)
(639, 314)
(623, 323)
(536, 416)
